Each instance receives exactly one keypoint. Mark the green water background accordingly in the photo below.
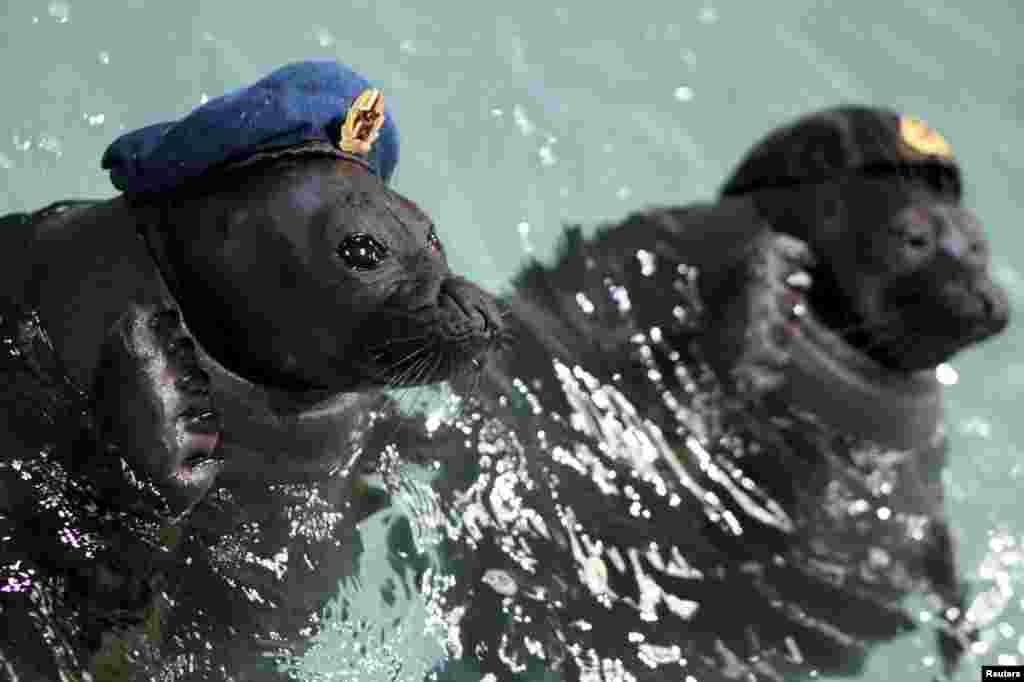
(516, 118)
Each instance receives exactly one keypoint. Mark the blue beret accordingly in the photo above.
(301, 104)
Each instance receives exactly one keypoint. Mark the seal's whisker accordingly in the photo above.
(420, 379)
(423, 370)
(438, 352)
(397, 340)
(394, 378)
(407, 358)
(402, 378)
(413, 379)
(403, 386)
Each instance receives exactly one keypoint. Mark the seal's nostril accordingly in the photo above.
(479, 314)
(491, 322)
(450, 298)
(955, 245)
(987, 306)
(455, 293)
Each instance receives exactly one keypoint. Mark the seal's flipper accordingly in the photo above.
(153, 408)
(753, 313)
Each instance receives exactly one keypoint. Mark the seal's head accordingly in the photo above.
(903, 266)
(295, 265)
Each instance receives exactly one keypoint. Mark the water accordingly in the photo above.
(517, 119)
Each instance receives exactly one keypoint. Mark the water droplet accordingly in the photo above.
(976, 426)
(878, 557)
(95, 119)
(547, 156)
(61, 11)
(647, 263)
(501, 582)
(623, 193)
(525, 125)
(497, 113)
(524, 236)
(584, 303)
(884, 513)
(684, 93)
(323, 36)
(708, 15)
(104, 57)
(595, 574)
(946, 374)
(621, 297)
(5, 162)
(407, 46)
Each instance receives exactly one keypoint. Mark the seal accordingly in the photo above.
(903, 267)
(776, 354)
(234, 315)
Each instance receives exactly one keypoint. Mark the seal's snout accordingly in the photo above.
(944, 252)
(470, 310)
(995, 308)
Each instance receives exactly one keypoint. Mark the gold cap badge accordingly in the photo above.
(922, 139)
(363, 123)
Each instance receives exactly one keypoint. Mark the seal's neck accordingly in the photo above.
(851, 392)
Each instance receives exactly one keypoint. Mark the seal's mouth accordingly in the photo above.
(437, 353)
(922, 326)
(453, 336)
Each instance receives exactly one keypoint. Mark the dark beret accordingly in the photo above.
(836, 141)
(298, 106)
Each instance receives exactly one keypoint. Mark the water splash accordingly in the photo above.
(59, 10)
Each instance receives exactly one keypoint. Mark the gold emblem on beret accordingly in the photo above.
(922, 139)
(362, 123)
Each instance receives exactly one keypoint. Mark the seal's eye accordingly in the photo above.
(433, 242)
(362, 252)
